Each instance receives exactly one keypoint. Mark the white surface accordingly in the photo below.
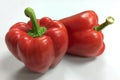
(104, 67)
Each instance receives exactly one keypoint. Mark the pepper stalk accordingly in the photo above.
(36, 29)
(109, 20)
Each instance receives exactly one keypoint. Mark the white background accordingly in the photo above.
(104, 67)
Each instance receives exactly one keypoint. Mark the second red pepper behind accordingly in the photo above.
(85, 36)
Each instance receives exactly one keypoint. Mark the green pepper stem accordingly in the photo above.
(109, 20)
(36, 29)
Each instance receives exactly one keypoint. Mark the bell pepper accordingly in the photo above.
(40, 44)
(85, 35)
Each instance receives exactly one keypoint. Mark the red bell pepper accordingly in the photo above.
(39, 44)
(85, 36)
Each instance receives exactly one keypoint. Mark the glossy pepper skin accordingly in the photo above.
(85, 36)
(41, 47)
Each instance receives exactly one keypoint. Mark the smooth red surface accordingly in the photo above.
(40, 53)
(83, 39)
